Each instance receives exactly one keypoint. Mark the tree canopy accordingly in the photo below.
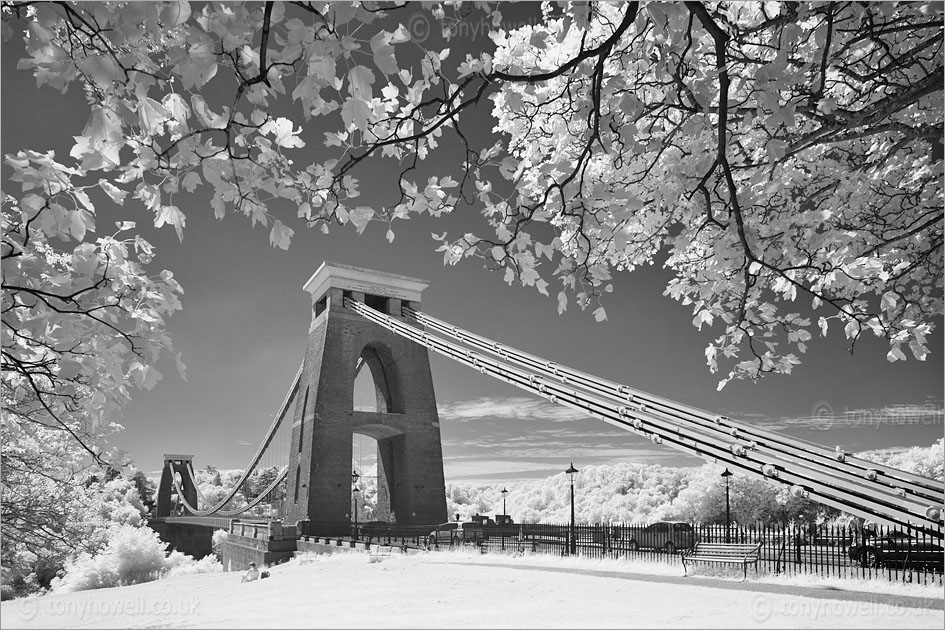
(56, 505)
(784, 160)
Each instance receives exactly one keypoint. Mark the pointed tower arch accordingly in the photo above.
(376, 376)
(343, 345)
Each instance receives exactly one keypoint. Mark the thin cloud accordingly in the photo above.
(525, 437)
(470, 469)
(892, 450)
(825, 417)
(243, 443)
(605, 433)
(487, 439)
(545, 439)
(514, 408)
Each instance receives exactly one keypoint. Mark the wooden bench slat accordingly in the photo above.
(719, 559)
(739, 547)
(723, 547)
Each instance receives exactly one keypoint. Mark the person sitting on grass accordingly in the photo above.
(252, 574)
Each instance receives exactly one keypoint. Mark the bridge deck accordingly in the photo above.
(215, 522)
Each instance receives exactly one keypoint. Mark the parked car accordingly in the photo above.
(666, 535)
(446, 534)
(899, 550)
(828, 536)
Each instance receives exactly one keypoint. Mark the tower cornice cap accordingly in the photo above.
(332, 275)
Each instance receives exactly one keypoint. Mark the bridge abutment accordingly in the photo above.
(239, 551)
(193, 540)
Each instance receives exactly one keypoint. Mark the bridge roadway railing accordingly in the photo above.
(275, 530)
(370, 532)
(204, 521)
(265, 530)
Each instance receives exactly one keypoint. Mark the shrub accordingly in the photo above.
(181, 564)
(132, 555)
(219, 537)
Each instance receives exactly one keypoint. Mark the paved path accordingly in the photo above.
(908, 601)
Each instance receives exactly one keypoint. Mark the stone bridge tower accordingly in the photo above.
(176, 465)
(405, 425)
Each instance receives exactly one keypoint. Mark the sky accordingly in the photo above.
(243, 331)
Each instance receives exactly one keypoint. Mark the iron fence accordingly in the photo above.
(387, 534)
(906, 554)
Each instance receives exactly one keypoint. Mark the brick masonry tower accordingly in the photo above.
(191, 539)
(181, 464)
(405, 425)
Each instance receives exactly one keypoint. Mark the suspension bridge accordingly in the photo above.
(364, 319)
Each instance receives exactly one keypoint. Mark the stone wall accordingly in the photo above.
(239, 551)
(322, 546)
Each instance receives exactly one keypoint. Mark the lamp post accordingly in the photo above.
(728, 515)
(504, 492)
(572, 472)
(356, 493)
(354, 482)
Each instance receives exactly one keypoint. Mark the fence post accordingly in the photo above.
(797, 545)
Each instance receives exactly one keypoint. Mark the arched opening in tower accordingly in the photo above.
(373, 391)
(371, 501)
(177, 506)
(375, 452)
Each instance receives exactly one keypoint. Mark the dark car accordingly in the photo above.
(826, 536)
(446, 534)
(666, 535)
(898, 549)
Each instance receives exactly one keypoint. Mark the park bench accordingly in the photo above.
(378, 552)
(724, 553)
